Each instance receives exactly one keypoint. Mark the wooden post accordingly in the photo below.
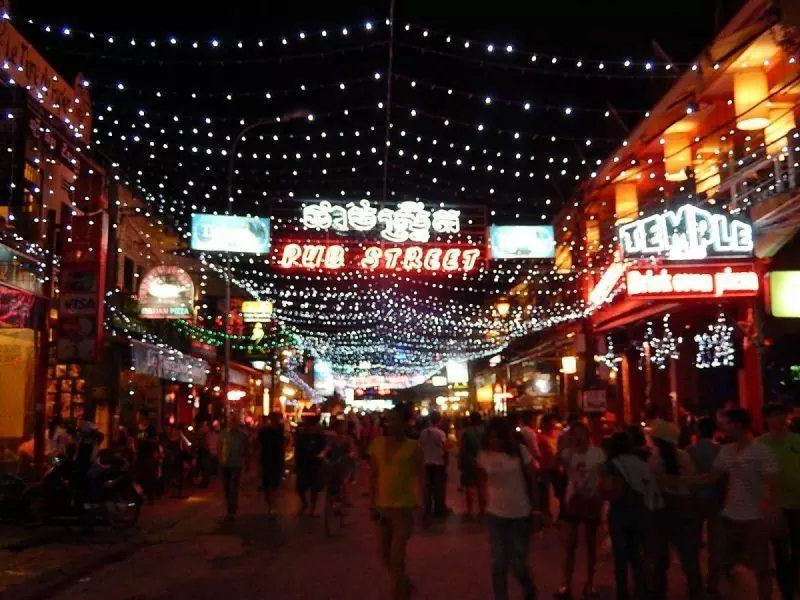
(43, 349)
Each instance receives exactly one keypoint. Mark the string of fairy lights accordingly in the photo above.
(519, 154)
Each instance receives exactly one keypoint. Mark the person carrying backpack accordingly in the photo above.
(633, 494)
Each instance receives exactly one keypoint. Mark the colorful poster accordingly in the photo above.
(166, 292)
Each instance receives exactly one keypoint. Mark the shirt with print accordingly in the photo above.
(746, 469)
(787, 451)
(583, 471)
(505, 486)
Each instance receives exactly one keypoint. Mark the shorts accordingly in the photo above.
(469, 477)
(746, 543)
(271, 477)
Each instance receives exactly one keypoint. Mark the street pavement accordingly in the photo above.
(200, 556)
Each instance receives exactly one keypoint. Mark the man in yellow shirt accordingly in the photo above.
(398, 466)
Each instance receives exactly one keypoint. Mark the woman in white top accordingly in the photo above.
(505, 467)
(583, 505)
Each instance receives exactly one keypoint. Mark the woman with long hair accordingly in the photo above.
(632, 493)
(675, 523)
(583, 505)
(505, 469)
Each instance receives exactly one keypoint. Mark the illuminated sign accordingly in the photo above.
(257, 311)
(602, 291)
(323, 378)
(689, 233)
(406, 258)
(223, 233)
(166, 292)
(522, 241)
(687, 282)
(457, 372)
(409, 222)
(438, 381)
(784, 294)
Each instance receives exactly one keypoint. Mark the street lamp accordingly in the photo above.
(502, 306)
(290, 116)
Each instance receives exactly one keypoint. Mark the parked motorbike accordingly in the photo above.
(107, 492)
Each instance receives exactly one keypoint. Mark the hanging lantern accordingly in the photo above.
(563, 259)
(750, 91)
(592, 236)
(677, 155)
(706, 176)
(627, 202)
(781, 122)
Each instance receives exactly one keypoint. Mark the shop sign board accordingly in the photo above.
(82, 286)
(594, 401)
(687, 233)
(166, 292)
(521, 241)
(692, 282)
(203, 350)
(420, 259)
(228, 233)
(410, 221)
(28, 69)
(16, 307)
(257, 311)
(784, 294)
(167, 363)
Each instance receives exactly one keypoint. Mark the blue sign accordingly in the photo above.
(522, 241)
(222, 233)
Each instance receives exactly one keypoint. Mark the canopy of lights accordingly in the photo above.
(381, 177)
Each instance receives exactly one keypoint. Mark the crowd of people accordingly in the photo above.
(653, 487)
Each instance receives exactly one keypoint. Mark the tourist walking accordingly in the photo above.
(272, 444)
(785, 445)
(506, 469)
(398, 469)
(527, 430)
(471, 442)
(433, 442)
(633, 494)
(583, 504)
(308, 447)
(749, 508)
(548, 462)
(675, 524)
(233, 449)
(709, 496)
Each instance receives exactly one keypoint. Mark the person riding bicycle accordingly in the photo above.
(340, 453)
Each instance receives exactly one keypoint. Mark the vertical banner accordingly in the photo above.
(82, 283)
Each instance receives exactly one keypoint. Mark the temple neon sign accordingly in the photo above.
(676, 283)
(689, 233)
(430, 259)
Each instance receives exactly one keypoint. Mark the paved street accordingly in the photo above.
(201, 557)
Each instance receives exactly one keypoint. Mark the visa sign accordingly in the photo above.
(78, 304)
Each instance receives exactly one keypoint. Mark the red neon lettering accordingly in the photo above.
(470, 258)
(372, 258)
(450, 262)
(433, 259)
(312, 256)
(334, 257)
(391, 256)
(291, 256)
(413, 258)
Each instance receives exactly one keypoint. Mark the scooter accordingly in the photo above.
(107, 492)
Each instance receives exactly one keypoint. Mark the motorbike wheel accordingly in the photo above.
(124, 509)
(34, 509)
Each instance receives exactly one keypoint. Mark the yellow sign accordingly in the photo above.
(784, 294)
(257, 311)
(28, 69)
